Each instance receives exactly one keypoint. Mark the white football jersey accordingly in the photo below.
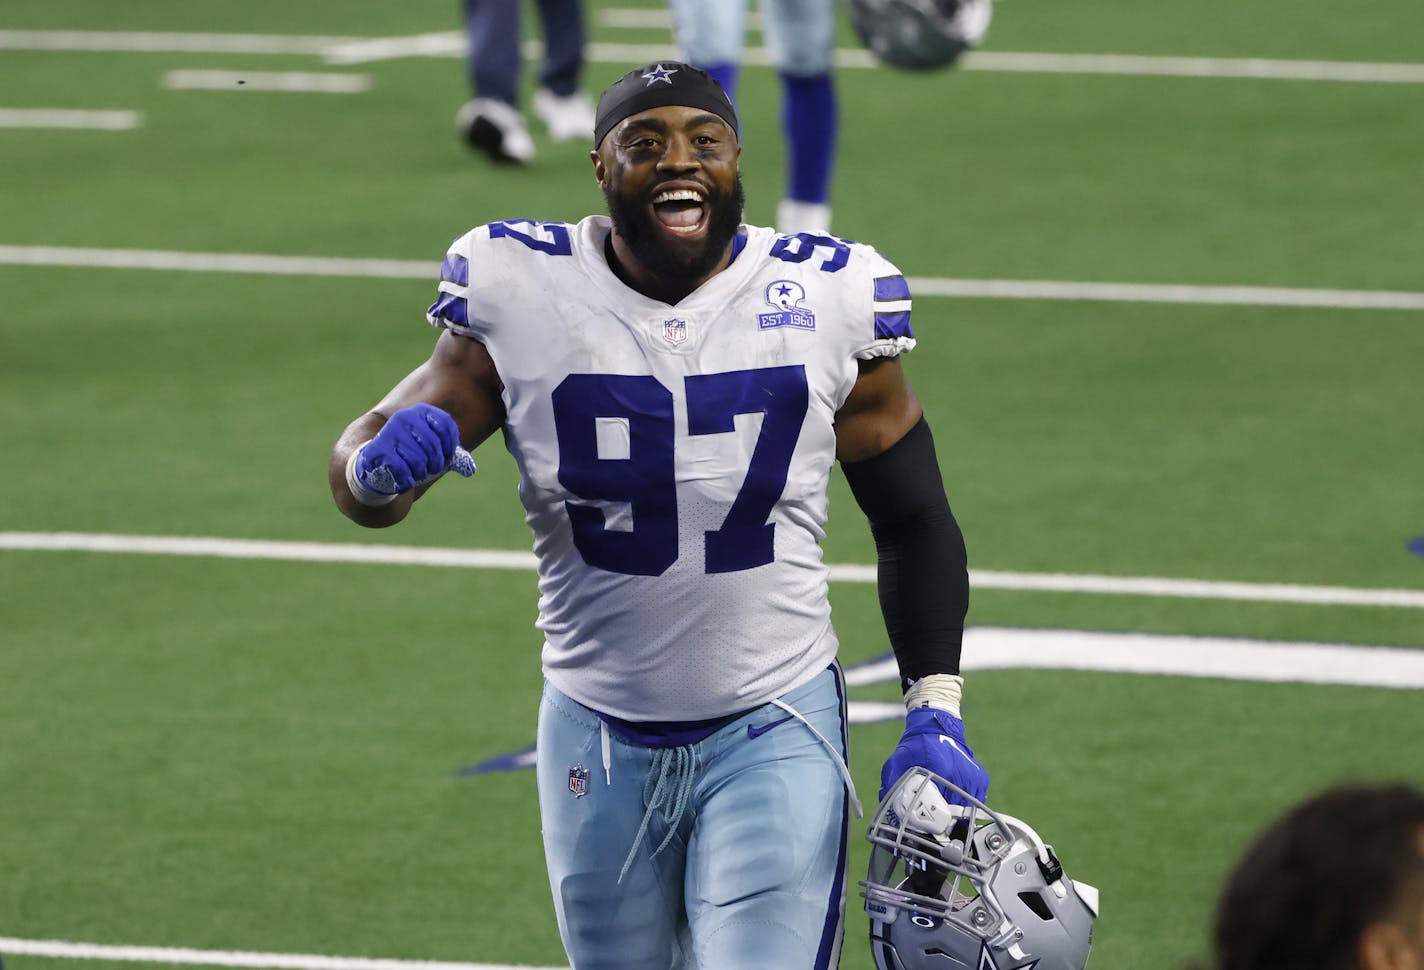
(674, 459)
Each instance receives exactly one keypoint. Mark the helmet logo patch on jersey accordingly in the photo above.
(786, 297)
(674, 331)
(578, 781)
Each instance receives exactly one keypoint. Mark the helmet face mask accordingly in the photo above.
(966, 888)
(920, 35)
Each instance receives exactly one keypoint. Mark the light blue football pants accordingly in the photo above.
(740, 858)
(800, 34)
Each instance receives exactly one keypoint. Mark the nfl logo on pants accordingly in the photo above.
(578, 781)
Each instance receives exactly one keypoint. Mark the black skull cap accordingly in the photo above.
(659, 84)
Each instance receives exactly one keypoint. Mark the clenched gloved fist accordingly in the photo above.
(417, 445)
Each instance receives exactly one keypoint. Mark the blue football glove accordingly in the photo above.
(934, 739)
(417, 445)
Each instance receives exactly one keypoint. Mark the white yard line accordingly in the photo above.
(1021, 62)
(63, 949)
(921, 286)
(286, 81)
(350, 552)
(69, 118)
(167, 42)
(351, 50)
(1228, 658)
(1168, 293)
(444, 44)
(218, 262)
(1195, 67)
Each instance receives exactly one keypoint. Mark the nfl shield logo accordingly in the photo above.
(578, 781)
(674, 331)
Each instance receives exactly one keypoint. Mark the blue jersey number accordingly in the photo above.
(645, 479)
(800, 247)
(544, 237)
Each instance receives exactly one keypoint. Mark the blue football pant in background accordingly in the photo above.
(496, 47)
(753, 872)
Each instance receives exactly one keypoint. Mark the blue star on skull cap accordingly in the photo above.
(659, 84)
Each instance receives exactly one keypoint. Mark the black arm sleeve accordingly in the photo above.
(923, 573)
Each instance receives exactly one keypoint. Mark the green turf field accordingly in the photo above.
(261, 755)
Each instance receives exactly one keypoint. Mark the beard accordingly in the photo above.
(650, 246)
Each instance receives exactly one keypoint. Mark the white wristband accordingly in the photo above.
(359, 491)
(942, 691)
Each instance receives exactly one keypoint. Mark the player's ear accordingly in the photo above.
(600, 171)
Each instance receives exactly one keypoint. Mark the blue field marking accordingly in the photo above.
(514, 761)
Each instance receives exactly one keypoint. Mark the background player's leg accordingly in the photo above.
(491, 121)
(800, 35)
(565, 109)
(710, 34)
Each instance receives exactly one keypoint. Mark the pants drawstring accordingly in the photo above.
(607, 753)
(673, 775)
(835, 755)
(669, 787)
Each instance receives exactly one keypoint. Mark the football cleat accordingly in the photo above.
(567, 117)
(497, 129)
(965, 886)
(920, 35)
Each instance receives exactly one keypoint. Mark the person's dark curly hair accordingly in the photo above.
(1309, 885)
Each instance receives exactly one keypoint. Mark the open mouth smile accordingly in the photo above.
(681, 210)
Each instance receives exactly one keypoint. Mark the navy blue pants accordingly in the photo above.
(496, 47)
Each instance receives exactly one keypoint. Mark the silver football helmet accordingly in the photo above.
(962, 887)
(920, 35)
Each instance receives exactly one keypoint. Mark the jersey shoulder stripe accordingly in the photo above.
(891, 305)
(455, 269)
(498, 252)
(887, 293)
(450, 311)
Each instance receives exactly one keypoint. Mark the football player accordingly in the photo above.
(491, 121)
(674, 387)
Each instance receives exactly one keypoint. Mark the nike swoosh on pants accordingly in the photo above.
(755, 732)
